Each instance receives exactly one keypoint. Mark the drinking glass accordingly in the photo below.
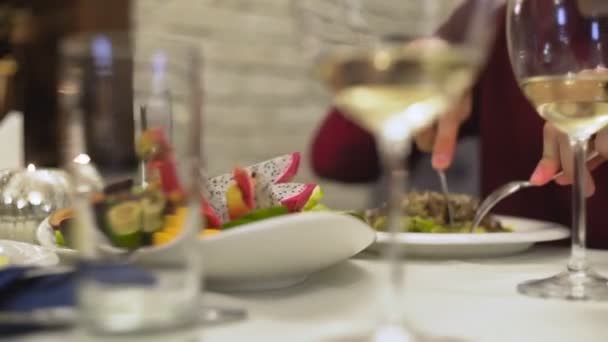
(131, 108)
(558, 53)
(394, 67)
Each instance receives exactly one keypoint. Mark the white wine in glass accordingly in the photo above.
(576, 104)
(402, 86)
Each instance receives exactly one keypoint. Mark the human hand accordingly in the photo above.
(440, 139)
(557, 154)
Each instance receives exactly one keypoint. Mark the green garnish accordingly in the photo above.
(59, 239)
(313, 200)
(257, 215)
(418, 224)
(318, 207)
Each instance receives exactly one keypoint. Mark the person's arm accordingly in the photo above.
(343, 151)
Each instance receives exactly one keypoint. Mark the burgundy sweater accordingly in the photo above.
(511, 145)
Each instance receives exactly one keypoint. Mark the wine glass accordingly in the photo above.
(124, 97)
(394, 67)
(558, 53)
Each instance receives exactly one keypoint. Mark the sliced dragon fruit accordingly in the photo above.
(235, 203)
(245, 184)
(295, 196)
(263, 191)
(211, 218)
(277, 170)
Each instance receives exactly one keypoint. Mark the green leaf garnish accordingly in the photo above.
(257, 215)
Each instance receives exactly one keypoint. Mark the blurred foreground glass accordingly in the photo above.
(132, 108)
(394, 67)
(559, 52)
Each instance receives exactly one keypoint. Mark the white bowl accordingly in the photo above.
(272, 253)
(281, 251)
(45, 236)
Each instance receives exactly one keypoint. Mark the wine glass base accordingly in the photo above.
(389, 333)
(570, 285)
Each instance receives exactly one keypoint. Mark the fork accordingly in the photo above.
(446, 196)
(507, 190)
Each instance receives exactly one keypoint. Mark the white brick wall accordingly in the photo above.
(260, 101)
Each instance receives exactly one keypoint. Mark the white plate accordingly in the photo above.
(45, 236)
(27, 254)
(272, 253)
(281, 251)
(525, 233)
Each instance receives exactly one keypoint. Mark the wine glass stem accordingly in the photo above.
(578, 258)
(394, 155)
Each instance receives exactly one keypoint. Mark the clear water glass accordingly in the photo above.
(131, 107)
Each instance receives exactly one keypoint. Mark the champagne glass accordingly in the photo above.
(394, 67)
(123, 98)
(558, 53)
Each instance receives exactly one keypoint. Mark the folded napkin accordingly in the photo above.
(20, 291)
(11, 135)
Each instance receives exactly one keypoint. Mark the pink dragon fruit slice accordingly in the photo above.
(245, 183)
(277, 170)
(294, 196)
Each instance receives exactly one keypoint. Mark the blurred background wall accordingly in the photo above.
(260, 100)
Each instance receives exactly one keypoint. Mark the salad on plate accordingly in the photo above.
(427, 212)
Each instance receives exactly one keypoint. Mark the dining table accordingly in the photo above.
(455, 299)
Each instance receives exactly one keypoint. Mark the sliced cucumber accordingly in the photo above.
(124, 222)
(153, 206)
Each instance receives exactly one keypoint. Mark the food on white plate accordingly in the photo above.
(277, 170)
(426, 212)
(132, 216)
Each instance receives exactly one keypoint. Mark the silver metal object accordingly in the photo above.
(51, 317)
(67, 316)
(48, 271)
(446, 195)
(143, 123)
(507, 190)
(27, 197)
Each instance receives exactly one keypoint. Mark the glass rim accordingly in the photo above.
(82, 44)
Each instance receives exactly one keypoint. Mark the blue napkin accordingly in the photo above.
(21, 293)
(18, 293)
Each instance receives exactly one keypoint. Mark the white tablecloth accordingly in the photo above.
(471, 300)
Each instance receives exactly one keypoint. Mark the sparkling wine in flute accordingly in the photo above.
(397, 87)
(575, 104)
